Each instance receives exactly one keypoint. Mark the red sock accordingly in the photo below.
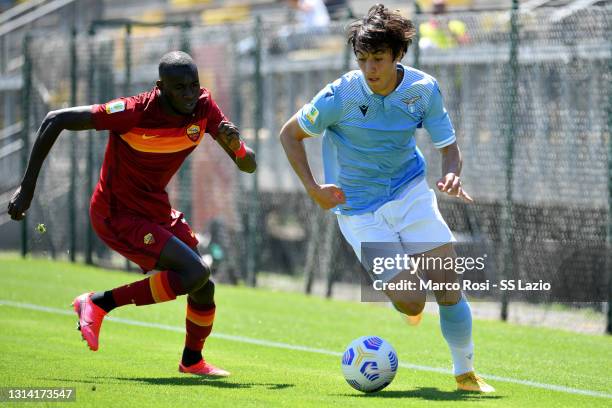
(199, 322)
(161, 287)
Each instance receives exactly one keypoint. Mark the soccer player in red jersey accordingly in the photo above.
(150, 135)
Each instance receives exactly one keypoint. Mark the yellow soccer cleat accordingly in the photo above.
(471, 382)
(413, 320)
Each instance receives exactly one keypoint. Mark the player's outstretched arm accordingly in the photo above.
(76, 118)
(450, 182)
(228, 137)
(291, 136)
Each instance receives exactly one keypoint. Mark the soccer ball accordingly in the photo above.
(369, 364)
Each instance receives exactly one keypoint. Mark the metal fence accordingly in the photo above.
(529, 95)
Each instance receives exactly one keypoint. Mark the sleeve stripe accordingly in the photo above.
(305, 129)
(446, 142)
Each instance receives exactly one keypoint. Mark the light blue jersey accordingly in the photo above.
(369, 148)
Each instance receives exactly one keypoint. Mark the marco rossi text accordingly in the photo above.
(467, 285)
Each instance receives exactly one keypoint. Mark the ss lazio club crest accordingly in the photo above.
(193, 133)
(410, 103)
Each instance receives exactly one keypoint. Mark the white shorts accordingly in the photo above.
(412, 221)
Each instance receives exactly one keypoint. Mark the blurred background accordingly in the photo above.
(526, 83)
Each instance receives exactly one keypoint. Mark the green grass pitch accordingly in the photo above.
(136, 365)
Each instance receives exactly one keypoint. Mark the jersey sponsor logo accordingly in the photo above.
(363, 109)
(149, 239)
(114, 107)
(193, 133)
(313, 114)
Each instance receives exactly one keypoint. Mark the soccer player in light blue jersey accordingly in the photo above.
(375, 174)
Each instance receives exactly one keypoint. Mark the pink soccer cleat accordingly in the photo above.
(90, 319)
(203, 368)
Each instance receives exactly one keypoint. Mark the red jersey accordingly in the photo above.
(146, 146)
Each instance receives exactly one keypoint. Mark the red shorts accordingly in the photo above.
(138, 239)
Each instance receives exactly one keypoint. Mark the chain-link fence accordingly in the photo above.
(533, 120)
(529, 98)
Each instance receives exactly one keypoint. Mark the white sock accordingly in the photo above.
(456, 326)
(463, 359)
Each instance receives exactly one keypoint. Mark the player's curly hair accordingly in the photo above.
(381, 28)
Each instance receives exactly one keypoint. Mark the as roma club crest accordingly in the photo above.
(149, 239)
(193, 133)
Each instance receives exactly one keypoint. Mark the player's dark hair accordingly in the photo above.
(172, 60)
(380, 29)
